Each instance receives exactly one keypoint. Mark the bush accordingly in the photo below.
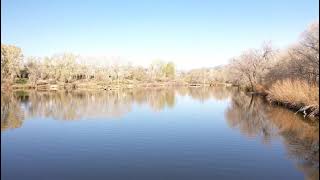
(21, 81)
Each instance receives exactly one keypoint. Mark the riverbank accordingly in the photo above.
(99, 85)
(85, 85)
(294, 95)
(297, 95)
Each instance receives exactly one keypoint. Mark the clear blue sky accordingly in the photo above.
(190, 33)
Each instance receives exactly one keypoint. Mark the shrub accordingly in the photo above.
(21, 81)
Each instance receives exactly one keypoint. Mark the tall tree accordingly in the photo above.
(11, 58)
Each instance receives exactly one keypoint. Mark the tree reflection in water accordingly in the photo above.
(248, 113)
(245, 113)
(253, 117)
(11, 112)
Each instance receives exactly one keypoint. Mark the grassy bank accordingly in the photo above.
(297, 95)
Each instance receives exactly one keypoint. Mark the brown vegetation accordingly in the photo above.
(266, 71)
(296, 94)
(289, 77)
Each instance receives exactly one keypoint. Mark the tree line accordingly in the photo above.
(253, 69)
(68, 67)
(266, 65)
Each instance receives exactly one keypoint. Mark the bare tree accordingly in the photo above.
(254, 64)
(300, 61)
(11, 58)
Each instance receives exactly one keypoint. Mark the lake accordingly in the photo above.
(196, 133)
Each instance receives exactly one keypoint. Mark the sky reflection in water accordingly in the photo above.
(173, 133)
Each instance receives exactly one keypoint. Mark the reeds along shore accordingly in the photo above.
(297, 95)
(288, 77)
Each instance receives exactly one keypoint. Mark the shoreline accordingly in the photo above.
(102, 86)
(308, 111)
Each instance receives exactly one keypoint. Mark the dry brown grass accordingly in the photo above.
(294, 93)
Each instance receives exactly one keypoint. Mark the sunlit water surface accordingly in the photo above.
(174, 133)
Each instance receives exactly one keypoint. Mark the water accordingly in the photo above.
(174, 133)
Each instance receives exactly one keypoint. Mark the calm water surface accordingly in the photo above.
(180, 133)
